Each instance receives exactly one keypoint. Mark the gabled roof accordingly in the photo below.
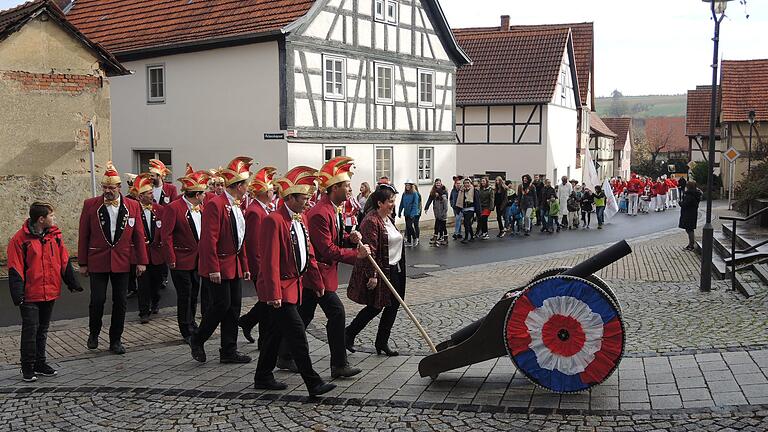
(698, 106)
(745, 88)
(583, 48)
(510, 67)
(620, 125)
(598, 128)
(672, 128)
(12, 20)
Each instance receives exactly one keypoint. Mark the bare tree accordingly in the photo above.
(658, 139)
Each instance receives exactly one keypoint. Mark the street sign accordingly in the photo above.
(731, 154)
(274, 136)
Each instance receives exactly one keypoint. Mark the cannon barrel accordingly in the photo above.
(590, 266)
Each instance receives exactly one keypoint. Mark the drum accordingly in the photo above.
(565, 333)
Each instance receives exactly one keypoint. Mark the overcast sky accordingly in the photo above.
(641, 47)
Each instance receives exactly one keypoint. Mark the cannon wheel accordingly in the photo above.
(558, 270)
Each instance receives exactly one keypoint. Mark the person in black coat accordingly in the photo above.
(689, 212)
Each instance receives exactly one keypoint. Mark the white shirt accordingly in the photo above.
(197, 217)
(239, 220)
(113, 217)
(302, 239)
(156, 192)
(266, 207)
(148, 216)
(395, 240)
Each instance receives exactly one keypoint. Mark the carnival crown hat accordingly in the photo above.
(214, 175)
(142, 183)
(299, 180)
(111, 176)
(194, 181)
(158, 167)
(262, 180)
(334, 171)
(239, 169)
(130, 178)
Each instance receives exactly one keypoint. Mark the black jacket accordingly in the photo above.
(689, 209)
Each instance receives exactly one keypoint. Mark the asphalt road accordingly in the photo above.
(75, 305)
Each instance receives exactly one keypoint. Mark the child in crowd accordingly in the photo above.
(573, 210)
(554, 212)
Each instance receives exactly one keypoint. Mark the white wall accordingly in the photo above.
(219, 103)
(560, 129)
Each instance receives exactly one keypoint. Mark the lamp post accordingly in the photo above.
(718, 13)
(751, 121)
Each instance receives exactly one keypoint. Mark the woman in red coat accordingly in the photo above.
(388, 249)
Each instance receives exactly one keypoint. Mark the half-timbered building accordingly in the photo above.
(287, 82)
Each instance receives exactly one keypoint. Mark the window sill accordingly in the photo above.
(159, 102)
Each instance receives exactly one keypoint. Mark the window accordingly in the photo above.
(332, 152)
(386, 11)
(383, 162)
(143, 157)
(426, 163)
(384, 83)
(335, 77)
(426, 88)
(156, 84)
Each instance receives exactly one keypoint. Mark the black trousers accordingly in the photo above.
(411, 227)
(35, 318)
(467, 219)
(482, 225)
(256, 316)
(387, 320)
(334, 327)
(187, 284)
(224, 308)
(99, 283)
(149, 288)
(440, 227)
(132, 279)
(284, 323)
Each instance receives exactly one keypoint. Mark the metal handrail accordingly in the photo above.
(753, 247)
(733, 220)
(745, 218)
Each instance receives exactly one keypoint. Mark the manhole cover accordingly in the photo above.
(426, 266)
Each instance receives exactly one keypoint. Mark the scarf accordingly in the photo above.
(463, 196)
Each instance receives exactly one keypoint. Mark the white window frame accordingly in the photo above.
(336, 151)
(156, 99)
(425, 175)
(156, 155)
(380, 172)
(384, 15)
(343, 63)
(422, 103)
(381, 100)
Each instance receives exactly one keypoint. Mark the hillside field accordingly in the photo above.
(644, 106)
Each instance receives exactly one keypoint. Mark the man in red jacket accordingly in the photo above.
(37, 263)
(151, 279)
(182, 229)
(260, 191)
(332, 245)
(286, 260)
(162, 193)
(110, 232)
(223, 264)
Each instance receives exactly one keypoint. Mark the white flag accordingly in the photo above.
(611, 205)
(589, 174)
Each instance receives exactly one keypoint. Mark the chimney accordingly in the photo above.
(505, 23)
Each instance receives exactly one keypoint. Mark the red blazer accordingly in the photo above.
(168, 195)
(208, 197)
(279, 276)
(218, 247)
(328, 239)
(153, 237)
(254, 216)
(103, 254)
(180, 237)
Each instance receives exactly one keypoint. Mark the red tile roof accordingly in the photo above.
(698, 107)
(583, 48)
(620, 125)
(745, 88)
(131, 25)
(11, 20)
(669, 129)
(510, 67)
(597, 127)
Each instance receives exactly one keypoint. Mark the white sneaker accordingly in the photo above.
(416, 242)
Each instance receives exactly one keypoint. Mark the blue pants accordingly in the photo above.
(457, 228)
(600, 215)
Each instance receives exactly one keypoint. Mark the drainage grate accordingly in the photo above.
(420, 276)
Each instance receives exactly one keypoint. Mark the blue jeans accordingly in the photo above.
(600, 215)
(457, 228)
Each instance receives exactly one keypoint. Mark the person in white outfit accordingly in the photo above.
(564, 190)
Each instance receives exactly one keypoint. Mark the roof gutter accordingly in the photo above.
(199, 45)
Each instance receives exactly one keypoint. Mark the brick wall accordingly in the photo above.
(54, 82)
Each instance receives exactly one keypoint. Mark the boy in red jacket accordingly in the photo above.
(37, 263)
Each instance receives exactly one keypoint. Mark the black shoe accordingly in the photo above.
(269, 385)
(464, 241)
(93, 341)
(235, 357)
(349, 342)
(198, 352)
(44, 370)
(321, 389)
(287, 364)
(246, 330)
(28, 374)
(117, 348)
(155, 309)
(131, 294)
(187, 339)
(386, 350)
(144, 319)
(345, 371)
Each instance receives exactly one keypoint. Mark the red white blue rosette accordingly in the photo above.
(565, 334)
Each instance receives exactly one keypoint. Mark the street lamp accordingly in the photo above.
(751, 121)
(718, 13)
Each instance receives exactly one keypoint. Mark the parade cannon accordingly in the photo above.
(563, 330)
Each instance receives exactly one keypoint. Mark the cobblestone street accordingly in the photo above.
(693, 361)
